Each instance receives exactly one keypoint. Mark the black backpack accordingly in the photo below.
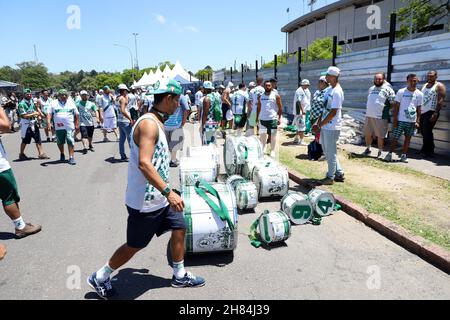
(315, 151)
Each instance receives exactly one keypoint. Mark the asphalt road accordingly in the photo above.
(84, 220)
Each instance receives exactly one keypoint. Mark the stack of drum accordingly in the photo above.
(238, 150)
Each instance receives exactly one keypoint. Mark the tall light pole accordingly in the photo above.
(129, 50)
(135, 44)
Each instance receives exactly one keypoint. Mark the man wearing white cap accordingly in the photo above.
(108, 114)
(209, 122)
(302, 107)
(86, 110)
(330, 125)
(254, 95)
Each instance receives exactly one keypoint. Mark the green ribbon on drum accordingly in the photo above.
(202, 188)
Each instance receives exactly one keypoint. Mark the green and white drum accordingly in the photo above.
(193, 170)
(297, 207)
(271, 181)
(238, 150)
(249, 166)
(322, 202)
(212, 224)
(246, 196)
(274, 227)
(234, 181)
(205, 152)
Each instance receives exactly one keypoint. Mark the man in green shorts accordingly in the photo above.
(66, 118)
(9, 194)
(86, 108)
(270, 111)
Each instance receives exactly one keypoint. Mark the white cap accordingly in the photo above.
(306, 82)
(4, 100)
(189, 91)
(334, 71)
(252, 84)
(221, 86)
(208, 85)
(323, 78)
(230, 85)
(84, 92)
(123, 87)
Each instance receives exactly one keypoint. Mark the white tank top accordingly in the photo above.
(430, 98)
(141, 195)
(269, 107)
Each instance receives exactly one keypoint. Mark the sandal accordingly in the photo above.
(44, 157)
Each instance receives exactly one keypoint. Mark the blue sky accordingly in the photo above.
(196, 33)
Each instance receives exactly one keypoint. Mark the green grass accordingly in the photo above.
(376, 202)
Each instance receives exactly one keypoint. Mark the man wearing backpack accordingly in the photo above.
(239, 107)
(211, 115)
(434, 100)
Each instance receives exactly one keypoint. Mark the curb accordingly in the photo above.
(431, 253)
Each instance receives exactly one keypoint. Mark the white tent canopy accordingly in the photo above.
(178, 73)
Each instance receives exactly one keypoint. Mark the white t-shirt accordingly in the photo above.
(4, 164)
(376, 101)
(108, 106)
(64, 114)
(304, 97)
(132, 101)
(409, 101)
(238, 100)
(254, 96)
(269, 107)
(198, 97)
(335, 100)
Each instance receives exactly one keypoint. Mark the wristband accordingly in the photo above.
(166, 192)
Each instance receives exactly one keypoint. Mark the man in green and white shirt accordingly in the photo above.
(239, 107)
(66, 118)
(29, 129)
(86, 108)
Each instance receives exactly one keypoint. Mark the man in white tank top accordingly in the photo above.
(434, 100)
(269, 113)
(153, 207)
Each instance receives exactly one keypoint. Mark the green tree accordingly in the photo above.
(129, 76)
(320, 49)
(162, 65)
(421, 15)
(205, 73)
(88, 83)
(34, 76)
(9, 74)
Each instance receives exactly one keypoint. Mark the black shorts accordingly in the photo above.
(36, 136)
(225, 109)
(142, 227)
(87, 132)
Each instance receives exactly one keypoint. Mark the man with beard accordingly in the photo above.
(381, 95)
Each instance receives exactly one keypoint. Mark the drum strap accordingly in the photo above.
(202, 188)
(254, 238)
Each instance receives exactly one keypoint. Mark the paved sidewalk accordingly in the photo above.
(438, 167)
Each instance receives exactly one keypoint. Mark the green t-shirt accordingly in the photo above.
(26, 107)
(85, 109)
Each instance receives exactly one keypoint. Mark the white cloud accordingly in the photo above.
(160, 18)
(191, 29)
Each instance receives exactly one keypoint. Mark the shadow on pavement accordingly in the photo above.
(29, 159)
(218, 260)
(113, 160)
(53, 163)
(7, 236)
(302, 157)
(130, 284)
